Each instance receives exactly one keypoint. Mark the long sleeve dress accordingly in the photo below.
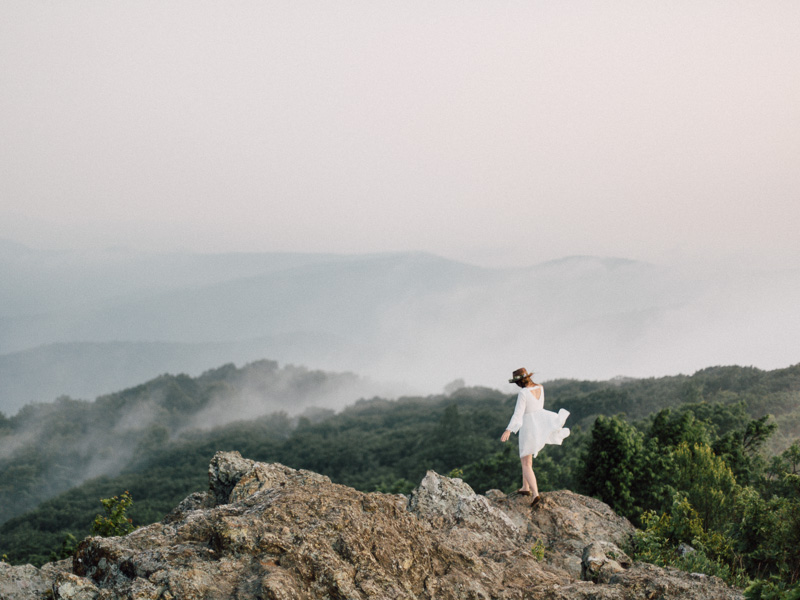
(536, 426)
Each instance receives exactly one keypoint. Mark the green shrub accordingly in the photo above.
(116, 521)
(665, 538)
(772, 589)
(537, 550)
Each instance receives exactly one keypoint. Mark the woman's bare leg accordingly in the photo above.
(528, 478)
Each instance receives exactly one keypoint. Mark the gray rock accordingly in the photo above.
(602, 560)
(685, 549)
(71, 587)
(451, 502)
(232, 478)
(24, 582)
(224, 472)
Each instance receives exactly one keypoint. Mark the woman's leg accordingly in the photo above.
(528, 478)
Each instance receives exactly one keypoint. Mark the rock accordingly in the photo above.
(565, 523)
(196, 501)
(232, 478)
(71, 587)
(650, 581)
(602, 560)
(25, 582)
(451, 502)
(267, 531)
(224, 472)
(684, 549)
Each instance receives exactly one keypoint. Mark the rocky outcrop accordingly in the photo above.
(26, 582)
(265, 531)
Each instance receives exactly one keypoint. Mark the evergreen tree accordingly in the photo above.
(612, 463)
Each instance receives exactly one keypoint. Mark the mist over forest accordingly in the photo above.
(82, 323)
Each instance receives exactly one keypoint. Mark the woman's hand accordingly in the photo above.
(505, 436)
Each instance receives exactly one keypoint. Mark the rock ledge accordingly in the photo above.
(266, 531)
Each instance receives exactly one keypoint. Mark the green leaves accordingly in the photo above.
(677, 538)
(706, 480)
(116, 521)
(612, 464)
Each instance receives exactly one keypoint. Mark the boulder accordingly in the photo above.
(23, 582)
(602, 560)
(71, 587)
(451, 502)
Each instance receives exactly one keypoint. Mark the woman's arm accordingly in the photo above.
(516, 419)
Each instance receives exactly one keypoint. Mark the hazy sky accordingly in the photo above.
(494, 132)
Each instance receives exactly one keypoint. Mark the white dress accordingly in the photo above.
(536, 425)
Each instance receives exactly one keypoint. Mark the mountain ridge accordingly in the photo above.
(372, 314)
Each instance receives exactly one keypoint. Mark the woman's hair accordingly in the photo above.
(526, 381)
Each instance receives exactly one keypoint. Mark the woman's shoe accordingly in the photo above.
(523, 493)
(536, 501)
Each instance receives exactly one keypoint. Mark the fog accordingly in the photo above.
(407, 323)
(385, 325)
(64, 443)
(192, 183)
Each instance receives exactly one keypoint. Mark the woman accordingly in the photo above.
(536, 427)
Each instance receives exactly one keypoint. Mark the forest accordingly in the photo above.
(707, 466)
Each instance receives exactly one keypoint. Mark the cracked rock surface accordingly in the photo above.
(266, 531)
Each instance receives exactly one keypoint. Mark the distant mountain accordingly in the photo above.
(413, 318)
(37, 283)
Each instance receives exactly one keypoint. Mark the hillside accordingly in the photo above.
(49, 447)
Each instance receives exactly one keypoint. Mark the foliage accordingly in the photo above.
(115, 521)
(772, 589)
(68, 546)
(740, 448)
(706, 480)
(399, 486)
(612, 463)
(499, 470)
(678, 539)
(537, 550)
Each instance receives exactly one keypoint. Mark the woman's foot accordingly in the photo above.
(523, 492)
(536, 501)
